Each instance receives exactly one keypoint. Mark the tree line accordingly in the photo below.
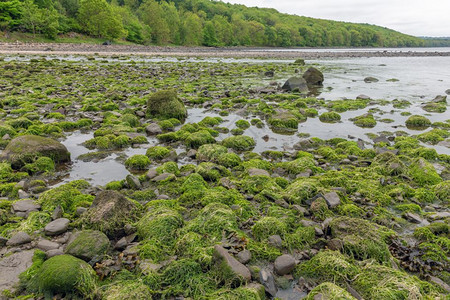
(190, 23)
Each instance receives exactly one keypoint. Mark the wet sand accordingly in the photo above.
(236, 52)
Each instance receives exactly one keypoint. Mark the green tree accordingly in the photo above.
(209, 35)
(99, 19)
(152, 14)
(10, 14)
(192, 30)
(40, 20)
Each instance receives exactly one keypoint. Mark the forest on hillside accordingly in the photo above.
(190, 23)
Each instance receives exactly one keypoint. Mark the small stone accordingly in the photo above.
(18, 239)
(152, 173)
(332, 199)
(318, 231)
(57, 213)
(222, 257)
(191, 153)
(440, 215)
(335, 244)
(25, 206)
(163, 197)
(370, 79)
(133, 182)
(23, 195)
(258, 172)
(46, 245)
(121, 244)
(244, 256)
(80, 210)
(284, 264)
(57, 226)
(300, 209)
(153, 129)
(54, 252)
(268, 281)
(363, 97)
(275, 240)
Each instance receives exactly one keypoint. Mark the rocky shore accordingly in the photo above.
(235, 52)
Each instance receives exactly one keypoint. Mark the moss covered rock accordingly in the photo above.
(109, 213)
(418, 122)
(65, 274)
(88, 244)
(313, 77)
(27, 148)
(328, 290)
(127, 290)
(166, 104)
(330, 117)
(210, 152)
(239, 143)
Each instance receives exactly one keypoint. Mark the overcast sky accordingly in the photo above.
(415, 17)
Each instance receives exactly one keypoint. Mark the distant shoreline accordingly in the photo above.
(236, 52)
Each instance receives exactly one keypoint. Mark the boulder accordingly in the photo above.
(295, 84)
(229, 268)
(166, 104)
(26, 148)
(313, 77)
(12, 266)
(110, 212)
(88, 244)
(284, 264)
(57, 226)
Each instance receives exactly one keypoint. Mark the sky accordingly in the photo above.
(414, 17)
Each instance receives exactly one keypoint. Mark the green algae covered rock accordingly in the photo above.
(328, 290)
(284, 120)
(418, 122)
(362, 239)
(330, 117)
(127, 290)
(160, 224)
(27, 148)
(110, 212)
(88, 244)
(210, 152)
(65, 274)
(165, 104)
(423, 173)
(239, 143)
(388, 164)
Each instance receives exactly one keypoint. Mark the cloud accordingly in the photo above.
(415, 17)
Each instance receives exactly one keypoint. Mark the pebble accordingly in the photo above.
(284, 264)
(244, 256)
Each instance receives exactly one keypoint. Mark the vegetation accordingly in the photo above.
(190, 23)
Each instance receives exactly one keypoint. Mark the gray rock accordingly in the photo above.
(244, 256)
(332, 199)
(313, 77)
(440, 283)
(258, 172)
(295, 84)
(415, 218)
(12, 266)
(57, 213)
(46, 245)
(162, 177)
(25, 206)
(23, 195)
(133, 182)
(80, 210)
(19, 239)
(268, 281)
(191, 153)
(54, 252)
(275, 240)
(447, 92)
(163, 197)
(363, 97)
(151, 174)
(439, 215)
(370, 79)
(440, 99)
(57, 226)
(225, 260)
(121, 244)
(88, 244)
(153, 129)
(284, 264)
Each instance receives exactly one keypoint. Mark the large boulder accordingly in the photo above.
(295, 84)
(166, 104)
(313, 77)
(110, 212)
(88, 244)
(26, 148)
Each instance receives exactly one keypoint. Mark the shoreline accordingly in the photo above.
(228, 52)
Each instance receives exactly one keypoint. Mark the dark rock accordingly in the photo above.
(447, 92)
(244, 256)
(284, 264)
(295, 84)
(107, 43)
(370, 79)
(24, 149)
(18, 239)
(228, 264)
(332, 199)
(313, 77)
(153, 129)
(269, 74)
(275, 240)
(414, 218)
(335, 244)
(57, 226)
(268, 281)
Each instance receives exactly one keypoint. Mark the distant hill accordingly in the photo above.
(436, 41)
(190, 22)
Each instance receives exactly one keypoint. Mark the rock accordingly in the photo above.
(335, 244)
(57, 213)
(439, 215)
(299, 61)
(80, 210)
(3, 241)
(53, 252)
(191, 153)
(228, 265)
(88, 244)
(46, 245)
(244, 256)
(25, 206)
(152, 173)
(269, 74)
(133, 182)
(163, 176)
(275, 240)
(110, 212)
(22, 194)
(295, 84)
(24, 149)
(257, 172)
(370, 79)
(447, 92)
(12, 266)
(162, 197)
(166, 104)
(268, 281)
(18, 239)
(284, 264)
(313, 77)
(153, 129)
(437, 281)
(121, 244)
(57, 226)
(332, 199)
(413, 218)
(363, 97)
(440, 99)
